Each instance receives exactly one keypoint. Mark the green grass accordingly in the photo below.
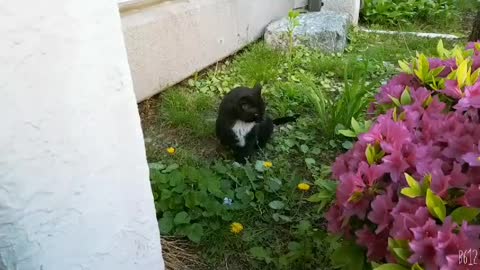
(192, 112)
(457, 20)
(286, 235)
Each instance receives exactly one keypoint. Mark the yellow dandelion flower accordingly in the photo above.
(236, 227)
(478, 158)
(267, 164)
(303, 186)
(171, 150)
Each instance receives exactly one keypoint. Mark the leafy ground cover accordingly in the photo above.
(268, 214)
(437, 16)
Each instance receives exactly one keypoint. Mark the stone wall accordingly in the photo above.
(169, 41)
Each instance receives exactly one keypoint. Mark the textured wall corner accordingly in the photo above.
(74, 187)
(170, 41)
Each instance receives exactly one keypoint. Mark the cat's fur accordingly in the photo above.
(242, 124)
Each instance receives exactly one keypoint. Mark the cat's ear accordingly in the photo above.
(257, 88)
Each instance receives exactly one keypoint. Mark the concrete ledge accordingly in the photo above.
(168, 41)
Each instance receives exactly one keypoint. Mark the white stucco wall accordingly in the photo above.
(74, 189)
(170, 41)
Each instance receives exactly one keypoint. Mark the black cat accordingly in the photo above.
(242, 124)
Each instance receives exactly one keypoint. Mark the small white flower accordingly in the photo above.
(227, 201)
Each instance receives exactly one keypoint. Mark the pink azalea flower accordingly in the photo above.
(471, 99)
(473, 157)
(449, 65)
(335, 220)
(433, 139)
(381, 207)
(424, 252)
(377, 245)
(452, 90)
(395, 87)
(371, 173)
(406, 219)
(476, 62)
(472, 196)
(471, 46)
(396, 165)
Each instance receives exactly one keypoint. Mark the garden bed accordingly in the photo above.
(198, 191)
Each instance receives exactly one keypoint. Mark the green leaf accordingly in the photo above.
(171, 168)
(347, 133)
(304, 226)
(165, 194)
(462, 73)
(416, 267)
(405, 98)
(390, 266)
(349, 256)
(395, 101)
(274, 184)
(166, 224)
(261, 253)
(436, 71)
(414, 190)
(192, 199)
(440, 49)
(250, 173)
(474, 76)
(310, 161)
(412, 182)
(427, 102)
(277, 217)
(355, 125)
(195, 232)
(411, 193)
(435, 205)
(277, 205)
(304, 148)
(260, 196)
(427, 181)
(157, 166)
(425, 65)
(404, 67)
(259, 166)
(347, 145)
(370, 154)
(213, 186)
(181, 218)
(293, 246)
(464, 214)
(400, 249)
(318, 197)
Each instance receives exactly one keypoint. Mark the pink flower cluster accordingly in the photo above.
(438, 135)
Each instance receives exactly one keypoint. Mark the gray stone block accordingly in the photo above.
(325, 31)
(352, 7)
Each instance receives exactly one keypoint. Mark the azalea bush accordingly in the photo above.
(409, 189)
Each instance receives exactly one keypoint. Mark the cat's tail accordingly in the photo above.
(284, 120)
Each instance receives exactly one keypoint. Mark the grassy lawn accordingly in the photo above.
(283, 226)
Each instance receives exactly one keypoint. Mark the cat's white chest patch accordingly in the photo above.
(241, 129)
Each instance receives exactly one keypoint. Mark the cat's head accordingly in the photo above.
(251, 106)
